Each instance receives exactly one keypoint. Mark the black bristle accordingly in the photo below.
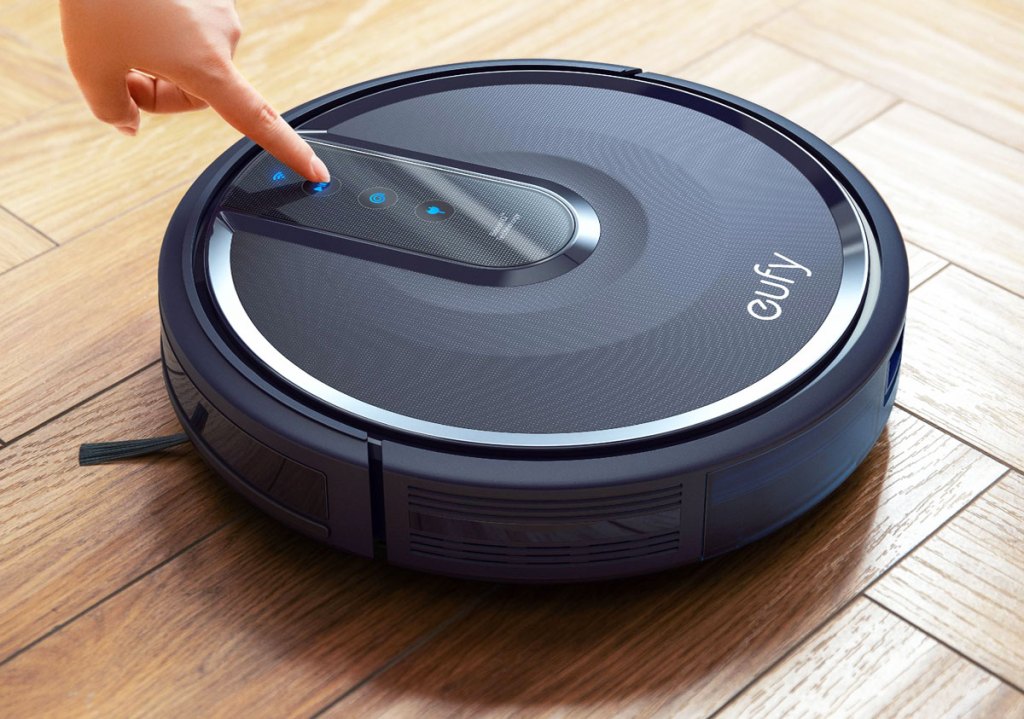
(103, 452)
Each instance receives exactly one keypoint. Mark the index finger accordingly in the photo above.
(238, 102)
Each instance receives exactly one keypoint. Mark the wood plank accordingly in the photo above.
(103, 173)
(78, 319)
(368, 40)
(300, 55)
(685, 641)
(254, 622)
(962, 364)
(953, 191)
(414, 34)
(35, 22)
(923, 264)
(867, 662)
(71, 535)
(959, 58)
(18, 241)
(965, 585)
(828, 103)
(32, 81)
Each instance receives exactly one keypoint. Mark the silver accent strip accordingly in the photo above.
(847, 303)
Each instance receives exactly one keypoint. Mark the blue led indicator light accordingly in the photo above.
(378, 198)
(278, 176)
(435, 210)
(320, 186)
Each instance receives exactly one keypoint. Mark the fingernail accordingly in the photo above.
(318, 170)
(127, 130)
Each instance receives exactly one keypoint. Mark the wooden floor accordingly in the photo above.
(147, 589)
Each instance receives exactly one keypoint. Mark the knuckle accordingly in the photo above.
(210, 65)
(265, 118)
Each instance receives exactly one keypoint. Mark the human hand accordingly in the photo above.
(173, 56)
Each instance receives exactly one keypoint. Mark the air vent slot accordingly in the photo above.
(539, 530)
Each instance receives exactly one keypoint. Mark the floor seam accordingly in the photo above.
(888, 106)
(972, 273)
(27, 260)
(126, 211)
(938, 640)
(407, 651)
(103, 600)
(964, 441)
(862, 593)
(30, 226)
(64, 412)
(750, 31)
(104, 223)
(902, 98)
(967, 505)
(787, 654)
(932, 276)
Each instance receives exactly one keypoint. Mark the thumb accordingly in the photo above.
(238, 102)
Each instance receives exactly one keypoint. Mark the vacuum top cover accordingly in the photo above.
(539, 258)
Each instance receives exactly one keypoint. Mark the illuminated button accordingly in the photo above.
(318, 189)
(377, 197)
(434, 211)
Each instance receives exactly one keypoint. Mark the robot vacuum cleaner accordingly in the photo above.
(549, 321)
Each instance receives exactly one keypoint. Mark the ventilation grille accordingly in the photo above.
(548, 531)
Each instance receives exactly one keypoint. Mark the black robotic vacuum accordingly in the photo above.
(550, 321)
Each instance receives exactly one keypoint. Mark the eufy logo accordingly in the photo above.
(776, 280)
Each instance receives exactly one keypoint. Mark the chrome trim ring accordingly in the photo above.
(840, 318)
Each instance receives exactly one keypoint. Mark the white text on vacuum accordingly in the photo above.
(774, 288)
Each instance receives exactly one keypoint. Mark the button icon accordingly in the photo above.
(377, 197)
(435, 211)
(318, 189)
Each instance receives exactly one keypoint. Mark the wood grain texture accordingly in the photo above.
(103, 173)
(18, 241)
(254, 622)
(828, 103)
(923, 264)
(965, 585)
(868, 663)
(339, 36)
(340, 44)
(78, 319)
(71, 535)
(367, 39)
(958, 58)
(953, 191)
(962, 365)
(32, 81)
(37, 23)
(686, 641)
(146, 589)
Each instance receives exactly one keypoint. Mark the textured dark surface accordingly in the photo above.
(473, 235)
(653, 324)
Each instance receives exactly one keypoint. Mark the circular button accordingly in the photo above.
(318, 189)
(434, 211)
(377, 197)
